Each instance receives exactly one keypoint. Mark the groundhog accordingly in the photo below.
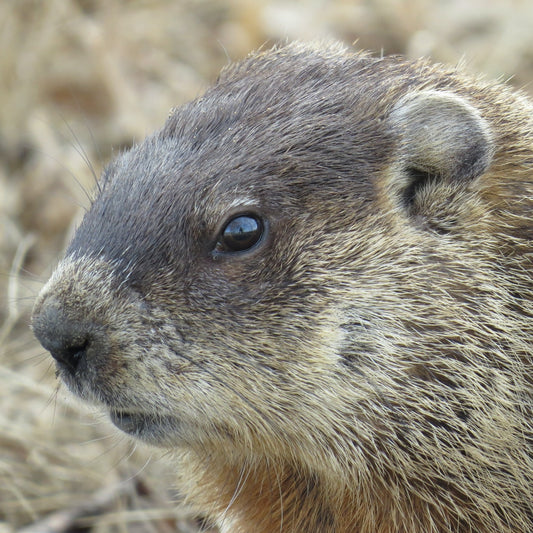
(314, 286)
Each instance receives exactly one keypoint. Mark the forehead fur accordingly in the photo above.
(281, 130)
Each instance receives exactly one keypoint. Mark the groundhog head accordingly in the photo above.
(300, 268)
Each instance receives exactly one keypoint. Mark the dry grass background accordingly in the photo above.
(81, 79)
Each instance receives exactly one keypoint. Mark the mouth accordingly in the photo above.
(158, 430)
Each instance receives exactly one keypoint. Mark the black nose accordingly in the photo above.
(65, 336)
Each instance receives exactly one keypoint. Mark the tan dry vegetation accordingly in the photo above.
(82, 79)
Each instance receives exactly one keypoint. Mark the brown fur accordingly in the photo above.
(366, 366)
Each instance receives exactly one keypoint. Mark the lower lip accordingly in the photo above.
(133, 424)
(154, 429)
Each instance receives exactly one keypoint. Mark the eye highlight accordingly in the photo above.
(241, 233)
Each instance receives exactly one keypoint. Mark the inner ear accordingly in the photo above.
(416, 181)
(442, 137)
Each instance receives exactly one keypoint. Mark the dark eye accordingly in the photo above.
(240, 233)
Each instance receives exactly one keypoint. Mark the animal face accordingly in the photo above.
(316, 255)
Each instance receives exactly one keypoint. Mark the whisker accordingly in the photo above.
(73, 176)
(238, 489)
(13, 312)
(79, 147)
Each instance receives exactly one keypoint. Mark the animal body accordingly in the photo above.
(314, 286)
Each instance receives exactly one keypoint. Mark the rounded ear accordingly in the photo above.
(443, 137)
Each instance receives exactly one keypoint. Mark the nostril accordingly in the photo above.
(70, 356)
(75, 352)
(63, 333)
